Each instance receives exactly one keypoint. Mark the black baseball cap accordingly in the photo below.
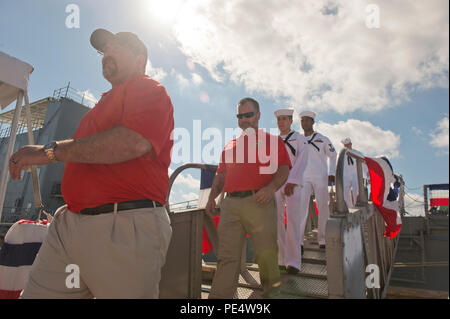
(100, 37)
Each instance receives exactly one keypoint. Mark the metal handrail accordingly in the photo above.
(341, 206)
(362, 200)
(356, 239)
(174, 175)
(208, 222)
(185, 205)
(69, 92)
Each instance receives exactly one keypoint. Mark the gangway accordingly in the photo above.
(357, 263)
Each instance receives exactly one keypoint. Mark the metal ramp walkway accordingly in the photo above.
(356, 264)
(310, 282)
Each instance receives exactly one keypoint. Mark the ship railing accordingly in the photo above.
(174, 175)
(196, 238)
(185, 205)
(82, 97)
(16, 213)
(181, 276)
(359, 258)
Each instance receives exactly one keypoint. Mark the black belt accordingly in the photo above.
(109, 208)
(242, 193)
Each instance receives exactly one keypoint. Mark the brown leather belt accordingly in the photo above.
(242, 193)
(109, 208)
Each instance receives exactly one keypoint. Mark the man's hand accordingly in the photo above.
(331, 179)
(27, 156)
(264, 195)
(210, 207)
(216, 190)
(289, 189)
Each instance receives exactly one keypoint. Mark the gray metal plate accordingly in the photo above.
(246, 293)
(313, 256)
(286, 293)
(314, 270)
(250, 278)
(302, 286)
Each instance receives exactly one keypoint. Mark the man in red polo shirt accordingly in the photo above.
(252, 168)
(114, 230)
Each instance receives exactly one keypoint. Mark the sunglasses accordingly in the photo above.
(246, 115)
(117, 43)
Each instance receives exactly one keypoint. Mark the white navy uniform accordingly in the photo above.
(350, 181)
(289, 238)
(315, 178)
(351, 188)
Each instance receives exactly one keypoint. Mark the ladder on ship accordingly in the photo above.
(310, 282)
(357, 262)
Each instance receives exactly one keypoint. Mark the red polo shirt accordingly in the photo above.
(249, 162)
(140, 104)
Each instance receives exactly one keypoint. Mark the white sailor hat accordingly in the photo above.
(308, 114)
(346, 141)
(280, 112)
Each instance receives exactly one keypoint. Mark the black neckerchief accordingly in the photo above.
(288, 144)
(312, 143)
(349, 160)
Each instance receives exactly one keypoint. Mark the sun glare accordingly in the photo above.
(191, 28)
(164, 11)
(182, 18)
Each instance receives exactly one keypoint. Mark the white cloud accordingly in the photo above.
(440, 136)
(366, 137)
(178, 196)
(417, 131)
(184, 81)
(190, 196)
(190, 64)
(88, 98)
(197, 79)
(187, 180)
(319, 53)
(186, 187)
(181, 79)
(156, 73)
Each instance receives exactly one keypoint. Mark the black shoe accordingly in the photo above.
(292, 270)
(322, 246)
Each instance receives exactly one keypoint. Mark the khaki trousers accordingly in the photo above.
(113, 255)
(238, 217)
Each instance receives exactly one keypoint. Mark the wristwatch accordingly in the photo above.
(49, 150)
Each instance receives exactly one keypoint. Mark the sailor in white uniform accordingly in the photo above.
(289, 253)
(351, 188)
(316, 175)
(350, 176)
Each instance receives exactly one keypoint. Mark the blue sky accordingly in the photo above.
(377, 75)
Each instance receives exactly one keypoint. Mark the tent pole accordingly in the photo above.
(34, 174)
(11, 141)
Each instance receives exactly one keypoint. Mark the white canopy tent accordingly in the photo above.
(14, 76)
